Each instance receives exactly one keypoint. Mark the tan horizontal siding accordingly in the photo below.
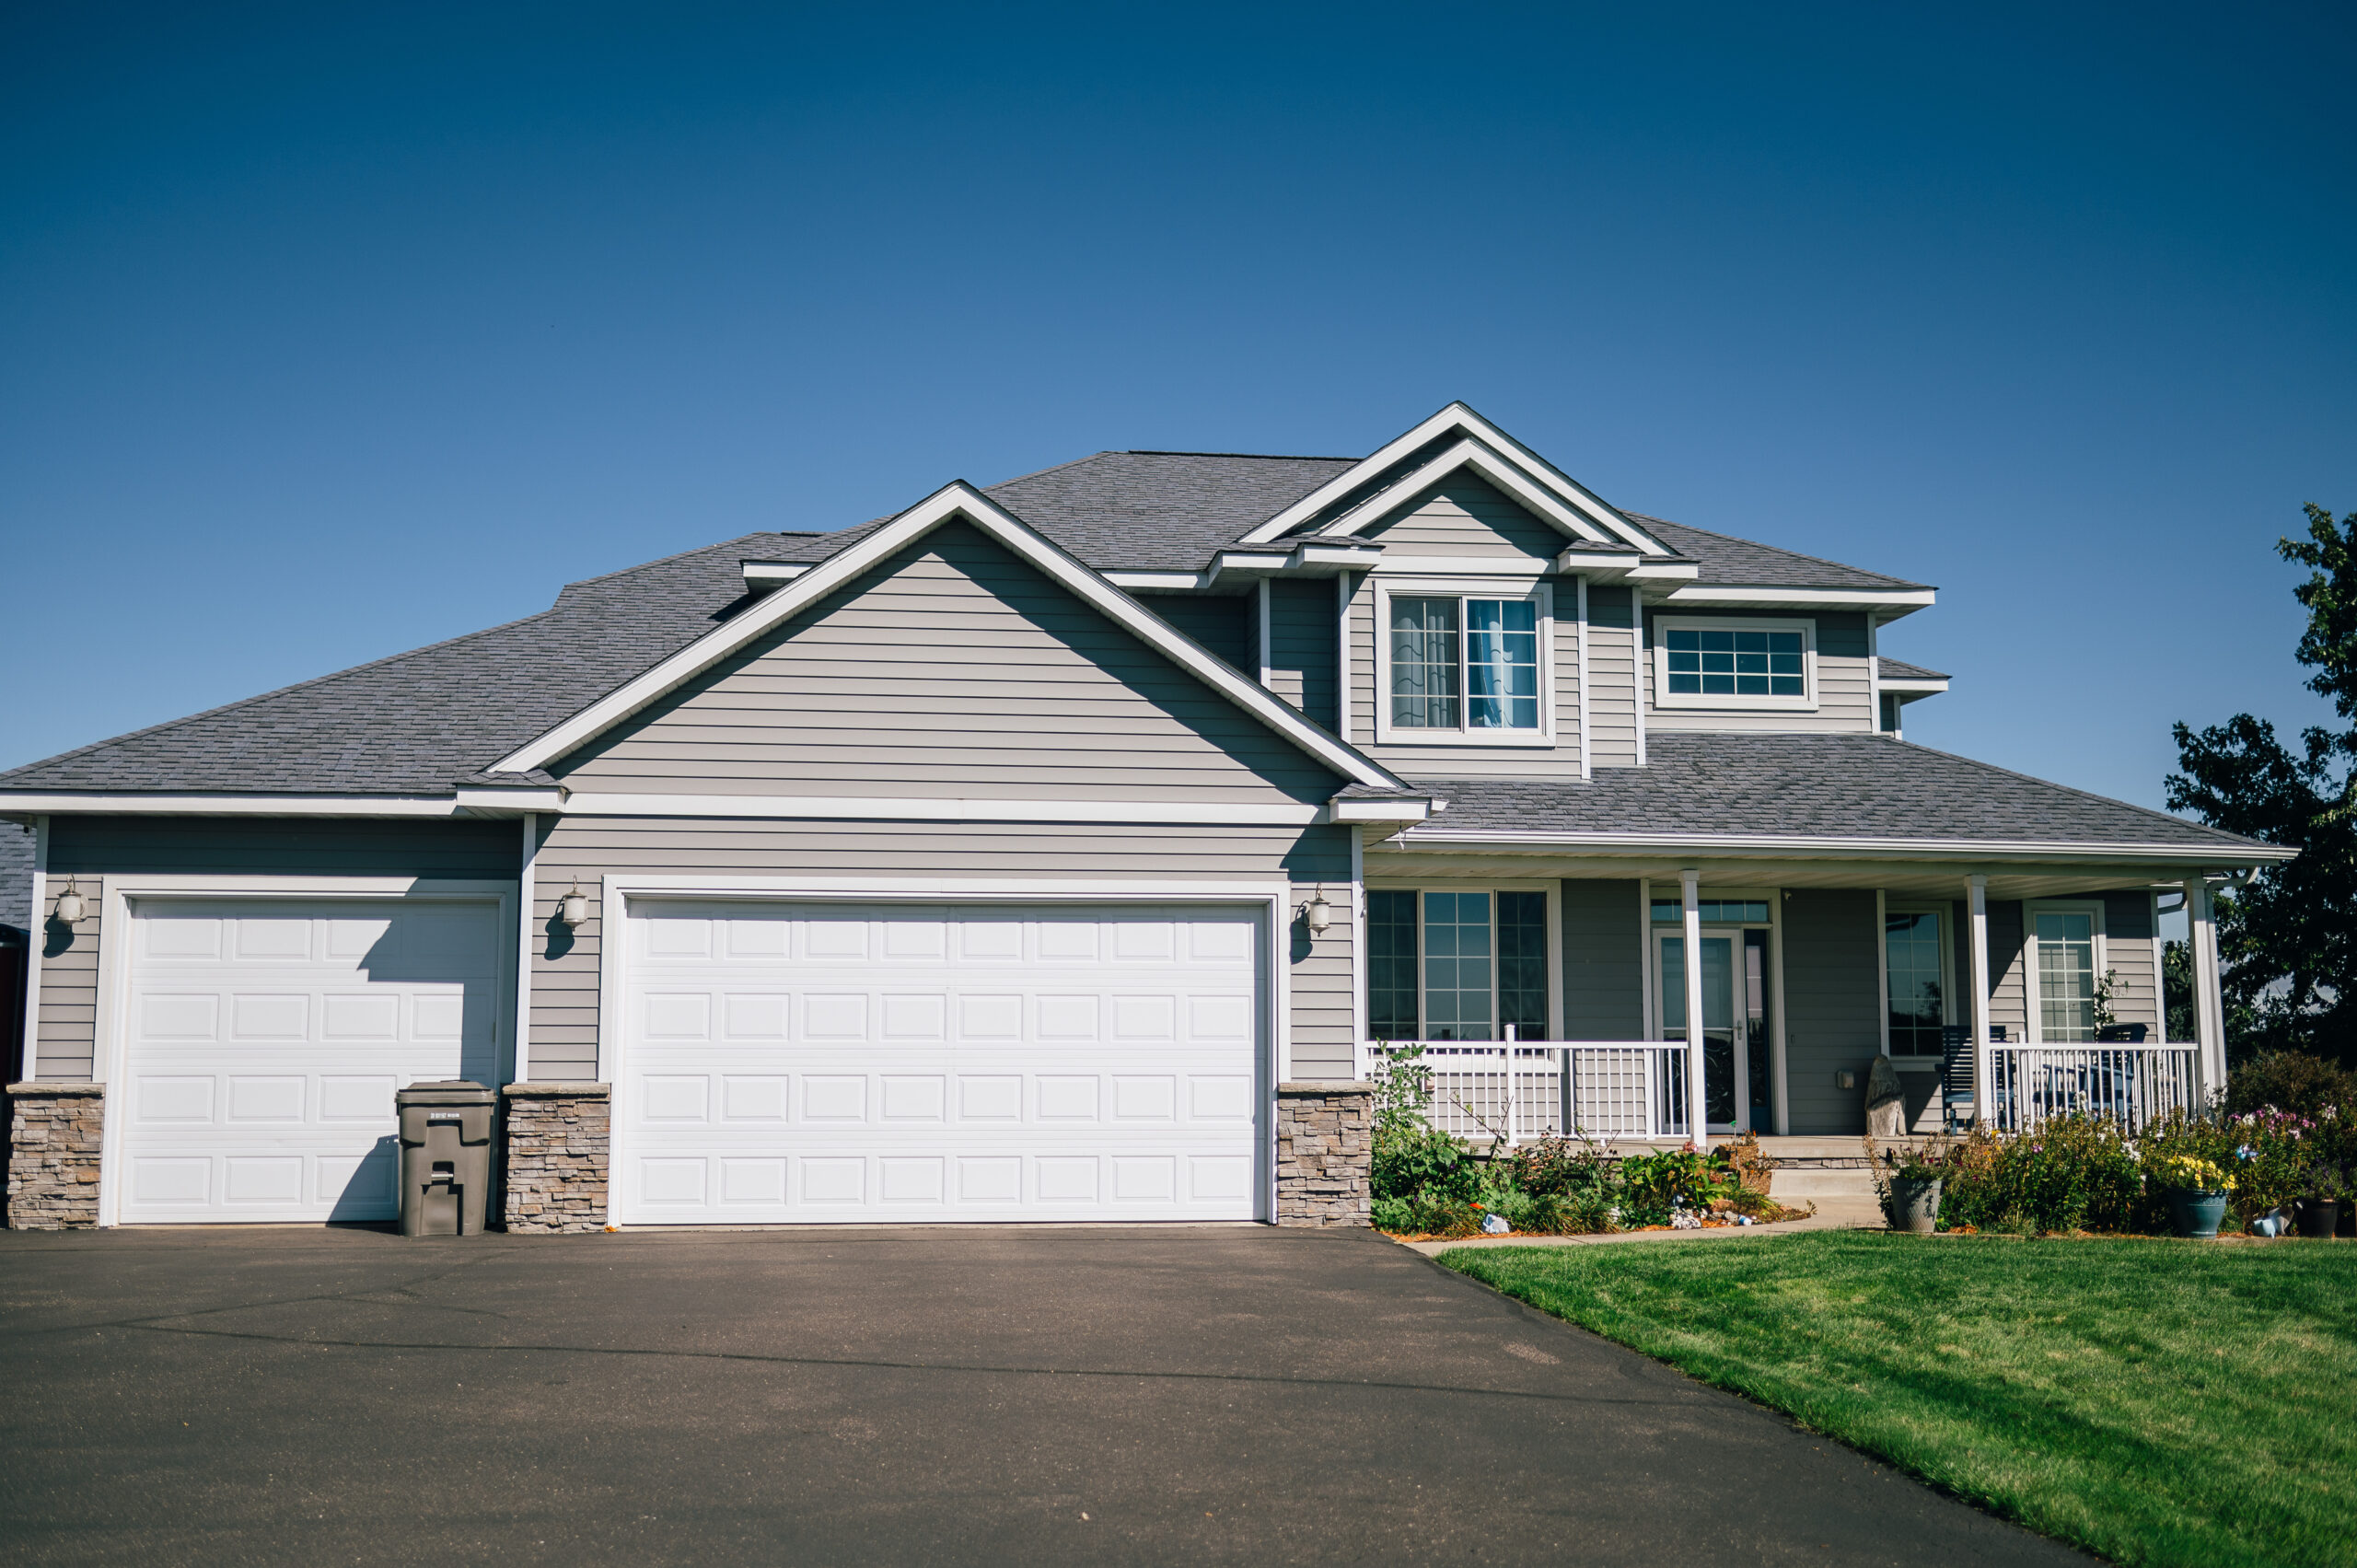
(951, 664)
(66, 1024)
(1611, 696)
(1469, 515)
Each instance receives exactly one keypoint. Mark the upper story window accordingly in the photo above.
(1464, 667)
(1730, 663)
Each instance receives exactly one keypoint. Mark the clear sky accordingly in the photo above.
(331, 330)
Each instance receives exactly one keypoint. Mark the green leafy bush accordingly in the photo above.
(2071, 1173)
(1654, 1186)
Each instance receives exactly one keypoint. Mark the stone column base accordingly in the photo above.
(53, 1137)
(559, 1139)
(1325, 1153)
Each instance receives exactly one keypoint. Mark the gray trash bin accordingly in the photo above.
(446, 1157)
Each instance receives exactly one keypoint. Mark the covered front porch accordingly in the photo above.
(1550, 993)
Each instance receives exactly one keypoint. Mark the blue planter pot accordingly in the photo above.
(2195, 1212)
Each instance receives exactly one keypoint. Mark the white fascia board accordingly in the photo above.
(952, 500)
(1747, 845)
(231, 805)
(1911, 688)
(1663, 572)
(495, 802)
(1310, 558)
(1158, 579)
(1597, 566)
(1742, 596)
(1542, 501)
(1352, 556)
(927, 808)
(1457, 417)
(1381, 810)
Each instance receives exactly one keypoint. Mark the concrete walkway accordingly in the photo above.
(969, 1395)
(1832, 1213)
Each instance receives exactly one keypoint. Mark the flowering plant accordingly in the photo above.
(2191, 1170)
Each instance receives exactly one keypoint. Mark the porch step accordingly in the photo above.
(1798, 1180)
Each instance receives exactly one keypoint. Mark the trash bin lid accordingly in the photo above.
(450, 1091)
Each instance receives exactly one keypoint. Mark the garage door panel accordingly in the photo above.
(940, 1062)
(267, 1039)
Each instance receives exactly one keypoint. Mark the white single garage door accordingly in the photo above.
(811, 1062)
(267, 1038)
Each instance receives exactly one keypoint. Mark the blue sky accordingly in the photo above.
(333, 331)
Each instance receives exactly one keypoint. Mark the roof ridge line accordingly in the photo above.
(1254, 456)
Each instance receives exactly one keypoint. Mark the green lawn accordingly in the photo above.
(2155, 1402)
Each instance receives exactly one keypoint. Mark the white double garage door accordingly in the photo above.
(776, 1062)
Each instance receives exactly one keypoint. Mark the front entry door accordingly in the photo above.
(1725, 1053)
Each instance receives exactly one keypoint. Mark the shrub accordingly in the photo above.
(2275, 1152)
(1561, 1168)
(1653, 1186)
(2290, 1080)
(1413, 1160)
(2071, 1173)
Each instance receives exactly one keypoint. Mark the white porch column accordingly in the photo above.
(2208, 999)
(1690, 885)
(1976, 891)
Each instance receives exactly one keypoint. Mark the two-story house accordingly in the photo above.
(1063, 850)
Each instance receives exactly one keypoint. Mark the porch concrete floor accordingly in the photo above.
(949, 1395)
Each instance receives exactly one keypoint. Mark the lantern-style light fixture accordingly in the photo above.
(71, 905)
(1316, 915)
(574, 908)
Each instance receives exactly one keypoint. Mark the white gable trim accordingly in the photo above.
(1532, 470)
(1468, 454)
(957, 499)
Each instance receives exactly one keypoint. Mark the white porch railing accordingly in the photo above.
(1525, 1091)
(2132, 1085)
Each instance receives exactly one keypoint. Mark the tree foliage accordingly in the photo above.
(2288, 941)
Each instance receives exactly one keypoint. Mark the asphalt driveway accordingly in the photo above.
(929, 1396)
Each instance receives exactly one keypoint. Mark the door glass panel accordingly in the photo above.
(2066, 977)
(1457, 955)
(1718, 1017)
(1522, 963)
(1755, 1028)
(1391, 965)
(1910, 943)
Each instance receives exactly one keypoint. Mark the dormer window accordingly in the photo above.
(1733, 663)
(1464, 667)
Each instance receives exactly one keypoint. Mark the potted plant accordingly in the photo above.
(2318, 1213)
(1907, 1178)
(2197, 1192)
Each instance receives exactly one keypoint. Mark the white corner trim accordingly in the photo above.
(1456, 416)
(956, 500)
(1343, 654)
(36, 937)
(1873, 698)
(1586, 719)
(929, 808)
(1261, 595)
(527, 892)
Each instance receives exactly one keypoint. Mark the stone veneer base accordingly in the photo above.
(558, 1144)
(1325, 1153)
(54, 1132)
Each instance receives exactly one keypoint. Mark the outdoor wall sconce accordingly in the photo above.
(71, 906)
(1316, 915)
(574, 908)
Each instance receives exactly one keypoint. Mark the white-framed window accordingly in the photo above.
(2064, 952)
(1461, 961)
(1731, 662)
(1919, 973)
(1463, 664)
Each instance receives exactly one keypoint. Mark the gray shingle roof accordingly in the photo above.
(1894, 670)
(416, 722)
(1726, 559)
(1834, 786)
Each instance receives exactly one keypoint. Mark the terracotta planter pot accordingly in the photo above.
(2195, 1212)
(1915, 1206)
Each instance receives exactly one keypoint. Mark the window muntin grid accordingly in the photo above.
(1464, 664)
(1712, 663)
(1912, 960)
(2066, 977)
(1481, 964)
